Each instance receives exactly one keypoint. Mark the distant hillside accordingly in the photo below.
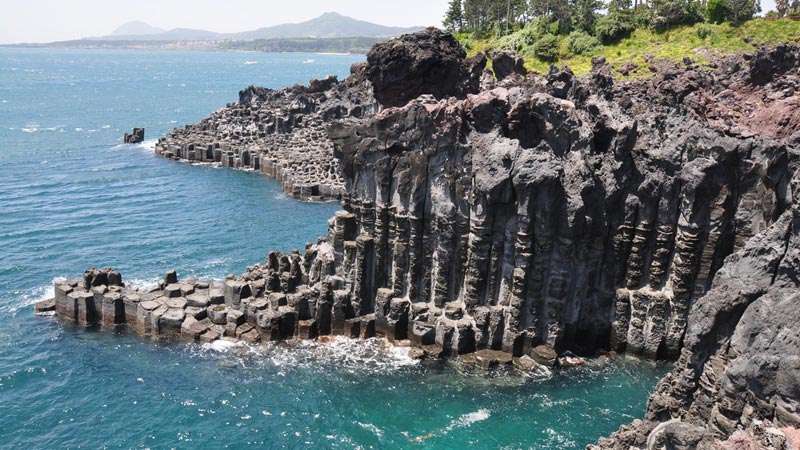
(358, 45)
(328, 25)
(175, 34)
(136, 28)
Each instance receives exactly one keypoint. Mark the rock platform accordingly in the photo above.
(281, 133)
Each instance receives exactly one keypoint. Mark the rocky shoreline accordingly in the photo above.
(281, 133)
(514, 216)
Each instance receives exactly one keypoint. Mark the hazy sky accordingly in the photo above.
(55, 20)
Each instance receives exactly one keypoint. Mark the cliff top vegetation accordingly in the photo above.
(631, 35)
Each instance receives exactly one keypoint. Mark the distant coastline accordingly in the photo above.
(333, 46)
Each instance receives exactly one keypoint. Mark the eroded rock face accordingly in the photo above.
(537, 216)
(280, 133)
(427, 62)
(740, 364)
(568, 221)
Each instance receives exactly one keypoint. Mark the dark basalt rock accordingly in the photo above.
(740, 367)
(536, 218)
(506, 64)
(134, 138)
(280, 133)
(427, 62)
(768, 63)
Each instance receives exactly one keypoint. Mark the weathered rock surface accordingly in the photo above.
(280, 133)
(740, 367)
(427, 62)
(536, 217)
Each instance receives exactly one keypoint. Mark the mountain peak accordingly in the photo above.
(328, 25)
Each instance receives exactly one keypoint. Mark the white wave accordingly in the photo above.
(4, 101)
(105, 127)
(466, 420)
(370, 427)
(374, 355)
(463, 421)
(142, 283)
(149, 145)
(30, 129)
(41, 293)
(78, 129)
(401, 356)
(222, 345)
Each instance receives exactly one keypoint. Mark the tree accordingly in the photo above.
(454, 18)
(743, 10)
(479, 15)
(586, 14)
(782, 6)
(668, 13)
(735, 11)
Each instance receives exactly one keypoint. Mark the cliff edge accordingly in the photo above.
(528, 216)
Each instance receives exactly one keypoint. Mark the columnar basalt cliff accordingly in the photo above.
(280, 133)
(527, 216)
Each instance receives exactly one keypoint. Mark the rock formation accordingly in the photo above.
(526, 215)
(134, 138)
(279, 133)
(427, 62)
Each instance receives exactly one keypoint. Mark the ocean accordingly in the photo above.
(73, 197)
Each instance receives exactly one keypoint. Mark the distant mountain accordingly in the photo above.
(328, 25)
(175, 34)
(136, 28)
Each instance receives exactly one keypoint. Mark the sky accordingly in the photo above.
(58, 20)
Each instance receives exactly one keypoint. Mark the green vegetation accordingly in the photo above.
(701, 42)
(633, 33)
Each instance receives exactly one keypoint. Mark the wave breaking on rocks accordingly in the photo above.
(522, 219)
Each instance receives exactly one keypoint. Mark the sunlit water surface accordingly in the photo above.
(72, 197)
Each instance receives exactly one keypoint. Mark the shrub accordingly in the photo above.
(582, 43)
(518, 40)
(614, 26)
(525, 37)
(705, 30)
(546, 48)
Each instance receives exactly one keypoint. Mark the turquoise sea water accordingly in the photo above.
(72, 197)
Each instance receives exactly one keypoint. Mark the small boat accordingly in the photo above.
(309, 61)
(248, 62)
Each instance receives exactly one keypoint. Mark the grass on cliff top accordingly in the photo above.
(701, 42)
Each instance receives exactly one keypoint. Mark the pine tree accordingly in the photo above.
(454, 18)
(743, 10)
(586, 14)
